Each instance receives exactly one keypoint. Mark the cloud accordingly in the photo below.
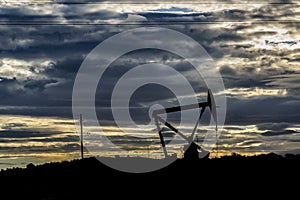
(259, 110)
(272, 133)
(149, 143)
(42, 61)
(109, 12)
(285, 81)
(254, 92)
(24, 134)
(273, 126)
(25, 149)
(135, 18)
(255, 46)
(13, 125)
(39, 139)
(37, 110)
(226, 70)
(292, 103)
(22, 70)
(39, 84)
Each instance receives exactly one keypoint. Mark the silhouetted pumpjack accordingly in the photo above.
(194, 152)
(191, 151)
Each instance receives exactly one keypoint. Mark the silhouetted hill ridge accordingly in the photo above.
(68, 178)
(92, 165)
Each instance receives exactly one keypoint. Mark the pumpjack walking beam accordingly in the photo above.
(210, 103)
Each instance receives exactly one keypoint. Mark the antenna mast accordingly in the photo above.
(81, 136)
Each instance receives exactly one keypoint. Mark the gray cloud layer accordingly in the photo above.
(254, 47)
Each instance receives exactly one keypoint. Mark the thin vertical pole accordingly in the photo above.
(81, 136)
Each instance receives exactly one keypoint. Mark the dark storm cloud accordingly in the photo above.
(45, 139)
(173, 17)
(61, 111)
(22, 13)
(64, 123)
(13, 125)
(149, 93)
(226, 70)
(38, 84)
(23, 134)
(8, 86)
(55, 81)
(259, 110)
(38, 149)
(264, 12)
(274, 11)
(273, 126)
(67, 65)
(234, 14)
(272, 133)
(240, 78)
(288, 81)
(228, 37)
(84, 12)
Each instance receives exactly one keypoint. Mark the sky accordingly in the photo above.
(255, 46)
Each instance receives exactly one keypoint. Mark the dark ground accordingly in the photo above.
(90, 179)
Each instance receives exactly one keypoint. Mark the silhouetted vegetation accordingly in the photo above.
(68, 178)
